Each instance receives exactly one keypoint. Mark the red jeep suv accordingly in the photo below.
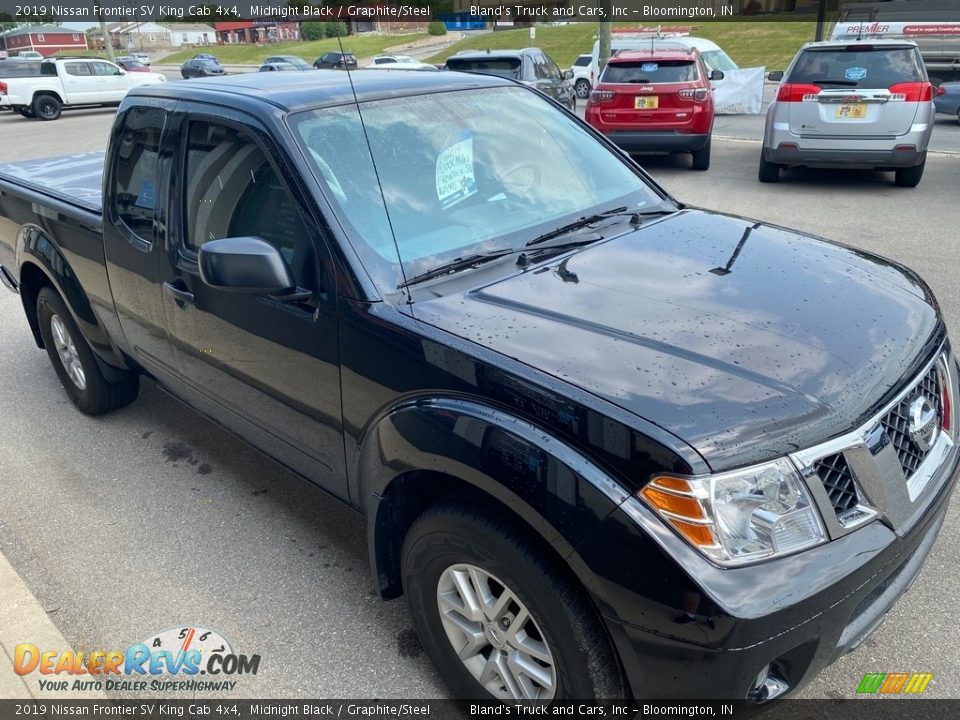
(656, 101)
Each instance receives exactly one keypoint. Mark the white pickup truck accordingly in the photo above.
(70, 82)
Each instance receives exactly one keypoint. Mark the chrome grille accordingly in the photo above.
(896, 423)
(837, 480)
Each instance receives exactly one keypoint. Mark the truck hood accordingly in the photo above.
(745, 340)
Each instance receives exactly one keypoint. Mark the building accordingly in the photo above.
(191, 34)
(128, 36)
(44, 39)
(257, 31)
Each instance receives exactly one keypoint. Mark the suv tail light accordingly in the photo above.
(698, 94)
(601, 96)
(796, 92)
(912, 91)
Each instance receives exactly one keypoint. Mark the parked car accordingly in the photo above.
(852, 104)
(656, 101)
(582, 75)
(336, 61)
(201, 67)
(278, 67)
(29, 55)
(3, 55)
(298, 63)
(947, 99)
(207, 56)
(531, 66)
(72, 82)
(399, 62)
(141, 56)
(131, 64)
(594, 466)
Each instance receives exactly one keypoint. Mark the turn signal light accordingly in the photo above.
(698, 94)
(796, 92)
(679, 504)
(601, 96)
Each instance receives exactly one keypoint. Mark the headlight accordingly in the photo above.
(741, 516)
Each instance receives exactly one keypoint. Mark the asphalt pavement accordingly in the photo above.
(152, 517)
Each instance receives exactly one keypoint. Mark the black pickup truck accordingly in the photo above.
(606, 444)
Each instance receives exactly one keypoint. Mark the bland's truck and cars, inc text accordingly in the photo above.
(606, 444)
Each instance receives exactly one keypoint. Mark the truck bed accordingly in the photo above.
(72, 179)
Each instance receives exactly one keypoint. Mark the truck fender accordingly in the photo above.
(40, 262)
(425, 450)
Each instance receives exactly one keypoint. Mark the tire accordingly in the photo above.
(46, 107)
(26, 112)
(563, 627)
(909, 177)
(701, 157)
(582, 88)
(769, 172)
(90, 391)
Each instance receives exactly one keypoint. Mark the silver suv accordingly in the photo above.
(851, 103)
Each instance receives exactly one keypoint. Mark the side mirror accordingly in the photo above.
(568, 74)
(775, 76)
(121, 71)
(716, 74)
(245, 265)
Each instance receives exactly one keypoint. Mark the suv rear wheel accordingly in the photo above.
(769, 172)
(701, 157)
(497, 617)
(910, 177)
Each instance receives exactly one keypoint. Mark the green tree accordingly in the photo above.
(437, 28)
(312, 31)
(335, 28)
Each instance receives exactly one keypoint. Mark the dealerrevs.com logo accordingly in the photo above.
(168, 661)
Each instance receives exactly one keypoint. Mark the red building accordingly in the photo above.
(45, 39)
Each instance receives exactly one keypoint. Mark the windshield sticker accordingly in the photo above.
(855, 73)
(455, 178)
(649, 67)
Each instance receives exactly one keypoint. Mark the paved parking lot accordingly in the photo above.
(153, 518)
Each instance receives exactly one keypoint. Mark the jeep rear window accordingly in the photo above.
(650, 72)
(858, 66)
(505, 67)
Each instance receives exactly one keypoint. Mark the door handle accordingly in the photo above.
(179, 292)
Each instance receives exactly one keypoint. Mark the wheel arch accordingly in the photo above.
(45, 91)
(428, 451)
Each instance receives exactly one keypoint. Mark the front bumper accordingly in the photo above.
(641, 141)
(684, 628)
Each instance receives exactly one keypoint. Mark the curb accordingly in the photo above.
(23, 619)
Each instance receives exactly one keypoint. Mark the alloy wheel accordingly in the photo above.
(67, 352)
(495, 635)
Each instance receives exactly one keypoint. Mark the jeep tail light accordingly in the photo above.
(797, 92)
(698, 94)
(601, 96)
(911, 91)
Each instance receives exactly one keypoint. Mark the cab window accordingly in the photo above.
(135, 170)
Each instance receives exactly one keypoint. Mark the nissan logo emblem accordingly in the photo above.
(923, 423)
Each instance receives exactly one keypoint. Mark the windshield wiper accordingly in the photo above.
(635, 216)
(454, 265)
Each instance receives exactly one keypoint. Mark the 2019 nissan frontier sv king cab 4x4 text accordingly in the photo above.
(606, 444)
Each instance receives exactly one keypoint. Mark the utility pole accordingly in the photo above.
(821, 18)
(604, 38)
(107, 45)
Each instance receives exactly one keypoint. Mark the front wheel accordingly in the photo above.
(46, 107)
(498, 616)
(74, 363)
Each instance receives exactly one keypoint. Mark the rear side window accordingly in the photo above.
(651, 72)
(504, 66)
(135, 171)
(77, 69)
(583, 61)
(858, 66)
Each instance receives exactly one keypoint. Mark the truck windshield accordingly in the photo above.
(456, 179)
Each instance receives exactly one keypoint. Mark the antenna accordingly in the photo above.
(376, 172)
